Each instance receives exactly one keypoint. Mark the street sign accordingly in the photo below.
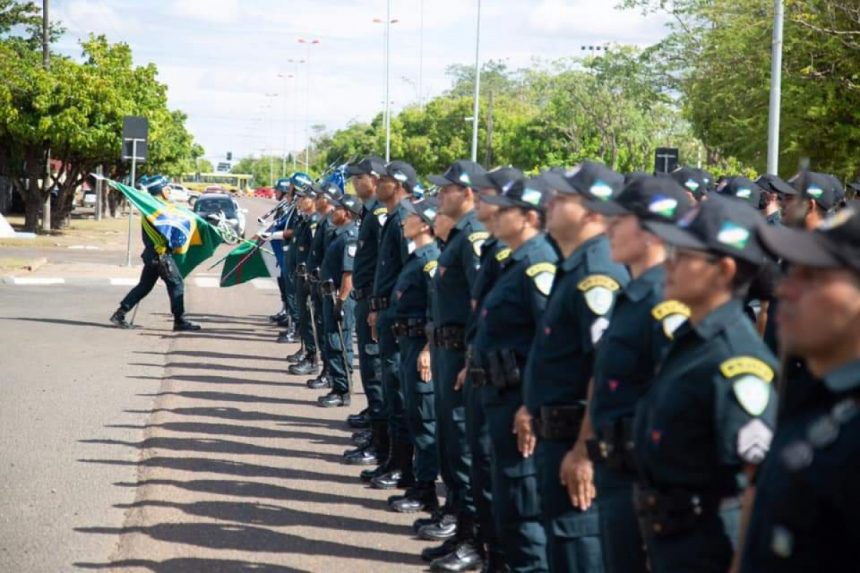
(135, 131)
(223, 167)
(666, 159)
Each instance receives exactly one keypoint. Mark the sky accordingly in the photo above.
(227, 63)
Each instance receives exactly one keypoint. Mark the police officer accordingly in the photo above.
(335, 287)
(157, 263)
(365, 177)
(395, 184)
(706, 421)
(455, 276)
(506, 325)
(306, 359)
(288, 224)
(626, 359)
(697, 182)
(560, 362)
(409, 307)
(806, 495)
(275, 235)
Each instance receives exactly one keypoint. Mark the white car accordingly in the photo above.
(178, 193)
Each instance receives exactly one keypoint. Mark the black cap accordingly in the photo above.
(311, 190)
(402, 172)
(501, 179)
(591, 180)
(330, 191)
(649, 197)
(774, 184)
(721, 226)
(745, 189)
(823, 188)
(349, 202)
(835, 243)
(426, 208)
(370, 165)
(693, 180)
(533, 193)
(462, 173)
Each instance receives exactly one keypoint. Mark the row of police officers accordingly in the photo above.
(588, 361)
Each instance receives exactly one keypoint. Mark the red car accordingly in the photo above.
(264, 192)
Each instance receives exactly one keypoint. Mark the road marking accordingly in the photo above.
(264, 284)
(123, 282)
(85, 247)
(206, 282)
(33, 281)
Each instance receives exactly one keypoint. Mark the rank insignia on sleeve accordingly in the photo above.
(477, 239)
(672, 314)
(543, 275)
(754, 441)
(599, 292)
(503, 254)
(381, 215)
(430, 268)
(598, 327)
(751, 380)
(350, 250)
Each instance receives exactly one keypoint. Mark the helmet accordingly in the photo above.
(154, 184)
(301, 180)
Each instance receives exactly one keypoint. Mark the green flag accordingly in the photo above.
(244, 263)
(171, 228)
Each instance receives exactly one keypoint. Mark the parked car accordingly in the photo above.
(89, 199)
(217, 203)
(178, 193)
(214, 189)
(264, 192)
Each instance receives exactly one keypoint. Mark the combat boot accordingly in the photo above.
(297, 356)
(433, 553)
(445, 528)
(402, 473)
(287, 337)
(182, 325)
(278, 316)
(307, 366)
(362, 438)
(371, 453)
(359, 421)
(420, 497)
(334, 400)
(468, 556)
(118, 318)
(386, 466)
(320, 382)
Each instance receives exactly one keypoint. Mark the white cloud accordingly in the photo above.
(82, 17)
(595, 21)
(207, 10)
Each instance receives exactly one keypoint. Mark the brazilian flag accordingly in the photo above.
(191, 239)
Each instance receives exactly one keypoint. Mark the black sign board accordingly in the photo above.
(666, 159)
(135, 131)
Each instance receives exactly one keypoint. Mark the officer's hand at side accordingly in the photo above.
(526, 439)
(371, 321)
(577, 474)
(460, 381)
(424, 366)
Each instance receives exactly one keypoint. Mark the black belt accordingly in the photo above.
(663, 513)
(560, 422)
(450, 337)
(413, 327)
(613, 445)
(503, 370)
(362, 293)
(378, 303)
(478, 376)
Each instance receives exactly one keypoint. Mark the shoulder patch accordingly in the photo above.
(477, 239)
(599, 292)
(751, 380)
(381, 214)
(746, 365)
(503, 254)
(672, 314)
(543, 275)
(350, 249)
(430, 268)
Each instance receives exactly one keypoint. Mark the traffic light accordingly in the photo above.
(229, 156)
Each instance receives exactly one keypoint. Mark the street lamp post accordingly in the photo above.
(296, 121)
(308, 44)
(387, 110)
(270, 138)
(775, 91)
(477, 107)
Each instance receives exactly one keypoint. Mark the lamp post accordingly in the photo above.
(308, 44)
(270, 138)
(775, 91)
(296, 121)
(286, 78)
(421, 59)
(477, 107)
(387, 110)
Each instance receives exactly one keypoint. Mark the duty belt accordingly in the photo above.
(503, 370)
(663, 513)
(613, 445)
(478, 376)
(362, 293)
(378, 303)
(560, 422)
(450, 337)
(413, 327)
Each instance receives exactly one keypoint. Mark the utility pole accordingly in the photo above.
(387, 81)
(488, 157)
(46, 63)
(775, 91)
(477, 107)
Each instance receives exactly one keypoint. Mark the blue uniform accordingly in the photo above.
(410, 317)
(807, 496)
(373, 216)
(303, 239)
(338, 259)
(323, 235)
(455, 276)
(506, 325)
(709, 411)
(557, 374)
(625, 363)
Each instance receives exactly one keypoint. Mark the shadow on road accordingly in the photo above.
(60, 321)
(227, 413)
(215, 379)
(193, 565)
(235, 430)
(230, 397)
(212, 354)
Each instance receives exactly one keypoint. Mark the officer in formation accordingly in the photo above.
(304, 360)
(574, 356)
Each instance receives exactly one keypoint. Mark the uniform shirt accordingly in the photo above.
(297, 223)
(710, 409)
(373, 217)
(494, 255)
(393, 252)
(510, 312)
(305, 238)
(807, 503)
(322, 237)
(340, 254)
(577, 313)
(286, 219)
(631, 348)
(410, 290)
(457, 272)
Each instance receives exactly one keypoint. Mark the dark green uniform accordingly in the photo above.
(625, 363)
(322, 238)
(303, 239)
(457, 271)
(339, 257)
(373, 217)
(506, 325)
(557, 374)
(410, 318)
(709, 411)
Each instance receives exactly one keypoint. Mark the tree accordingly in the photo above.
(205, 166)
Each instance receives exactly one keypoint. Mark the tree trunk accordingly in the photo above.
(32, 205)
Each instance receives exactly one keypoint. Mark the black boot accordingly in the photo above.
(359, 421)
(279, 315)
(433, 553)
(435, 517)
(334, 400)
(495, 563)
(388, 461)
(118, 318)
(182, 325)
(287, 337)
(368, 454)
(297, 356)
(402, 474)
(445, 528)
(362, 438)
(421, 497)
(307, 366)
(320, 382)
(468, 556)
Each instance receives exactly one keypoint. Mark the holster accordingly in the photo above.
(327, 287)
(613, 446)
(560, 422)
(412, 327)
(166, 267)
(504, 369)
(664, 513)
(361, 293)
(378, 303)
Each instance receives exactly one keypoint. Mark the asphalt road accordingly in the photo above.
(150, 451)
